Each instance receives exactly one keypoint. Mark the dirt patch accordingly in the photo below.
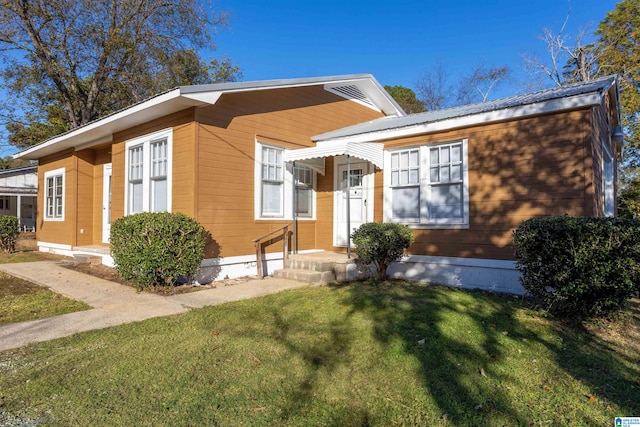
(108, 273)
(12, 286)
(26, 242)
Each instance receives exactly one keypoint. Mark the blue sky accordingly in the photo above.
(395, 42)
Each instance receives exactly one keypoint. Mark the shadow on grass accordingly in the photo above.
(417, 316)
(465, 377)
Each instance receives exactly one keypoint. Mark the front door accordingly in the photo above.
(106, 203)
(357, 197)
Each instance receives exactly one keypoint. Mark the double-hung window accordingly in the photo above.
(304, 191)
(276, 182)
(272, 182)
(427, 185)
(148, 168)
(54, 195)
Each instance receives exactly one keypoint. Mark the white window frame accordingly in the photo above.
(305, 186)
(608, 183)
(145, 142)
(425, 187)
(286, 210)
(53, 174)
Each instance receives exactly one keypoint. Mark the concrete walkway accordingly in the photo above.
(113, 304)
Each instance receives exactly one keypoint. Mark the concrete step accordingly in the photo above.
(308, 264)
(87, 259)
(306, 276)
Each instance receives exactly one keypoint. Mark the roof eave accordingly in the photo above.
(527, 110)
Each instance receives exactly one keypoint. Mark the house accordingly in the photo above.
(18, 192)
(327, 154)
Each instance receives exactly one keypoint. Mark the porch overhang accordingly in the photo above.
(313, 157)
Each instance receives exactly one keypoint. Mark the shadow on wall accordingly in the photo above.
(531, 167)
(210, 271)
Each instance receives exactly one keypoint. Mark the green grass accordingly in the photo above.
(21, 300)
(28, 256)
(355, 355)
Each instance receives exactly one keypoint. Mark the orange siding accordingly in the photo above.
(60, 232)
(183, 160)
(227, 134)
(85, 206)
(517, 170)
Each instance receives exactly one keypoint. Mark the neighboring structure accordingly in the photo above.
(18, 192)
(247, 158)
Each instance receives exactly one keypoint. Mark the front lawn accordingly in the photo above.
(355, 355)
(21, 300)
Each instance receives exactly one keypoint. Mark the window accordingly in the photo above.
(304, 191)
(405, 185)
(5, 204)
(272, 182)
(428, 185)
(608, 187)
(275, 182)
(148, 172)
(54, 195)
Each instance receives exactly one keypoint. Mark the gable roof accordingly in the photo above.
(361, 88)
(567, 97)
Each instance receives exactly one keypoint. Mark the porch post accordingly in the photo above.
(295, 216)
(18, 212)
(348, 206)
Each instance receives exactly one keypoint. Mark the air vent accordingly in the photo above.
(352, 93)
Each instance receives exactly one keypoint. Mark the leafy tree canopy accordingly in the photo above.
(406, 98)
(68, 62)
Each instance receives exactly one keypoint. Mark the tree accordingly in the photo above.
(570, 59)
(477, 86)
(406, 98)
(619, 53)
(433, 89)
(74, 61)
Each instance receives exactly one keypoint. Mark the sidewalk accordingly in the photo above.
(114, 304)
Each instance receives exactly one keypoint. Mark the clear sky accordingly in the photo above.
(395, 41)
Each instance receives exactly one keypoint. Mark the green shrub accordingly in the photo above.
(578, 266)
(157, 249)
(8, 232)
(381, 244)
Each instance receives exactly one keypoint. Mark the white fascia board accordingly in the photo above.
(556, 105)
(90, 134)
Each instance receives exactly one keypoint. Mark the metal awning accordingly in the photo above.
(313, 157)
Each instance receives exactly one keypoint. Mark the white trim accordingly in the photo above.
(425, 187)
(555, 105)
(145, 141)
(607, 153)
(53, 174)
(239, 266)
(54, 246)
(77, 133)
(107, 172)
(469, 273)
(287, 198)
(368, 182)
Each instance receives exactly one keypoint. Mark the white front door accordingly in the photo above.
(358, 200)
(106, 203)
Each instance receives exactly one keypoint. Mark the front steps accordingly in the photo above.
(320, 268)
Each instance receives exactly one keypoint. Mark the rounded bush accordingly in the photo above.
(157, 249)
(579, 266)
(9, 230)
(381, 244)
